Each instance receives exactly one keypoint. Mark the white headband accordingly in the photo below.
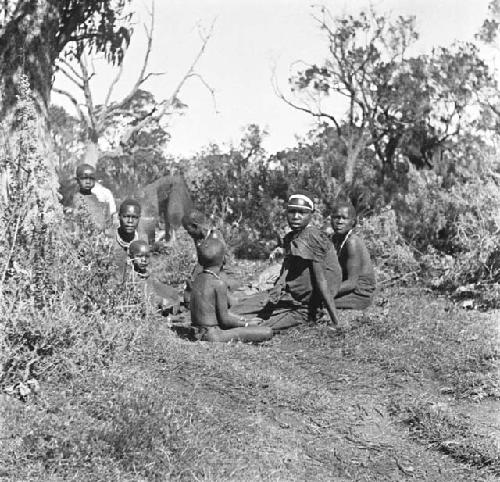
(307, 201)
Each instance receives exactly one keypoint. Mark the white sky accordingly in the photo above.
(250, 36)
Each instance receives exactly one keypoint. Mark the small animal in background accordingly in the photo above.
(166, 200)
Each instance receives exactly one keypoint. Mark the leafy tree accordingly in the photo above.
(34, 33)
(397, 105)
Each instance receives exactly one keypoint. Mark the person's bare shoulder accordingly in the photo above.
(218, 284)
(354, 242)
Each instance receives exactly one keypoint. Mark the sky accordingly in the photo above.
(250, 40)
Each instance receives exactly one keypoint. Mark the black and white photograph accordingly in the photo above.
(249, 240)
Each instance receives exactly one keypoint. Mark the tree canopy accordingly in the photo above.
(396, 104)
(34, 33)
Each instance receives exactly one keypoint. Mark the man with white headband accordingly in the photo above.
(310, 274)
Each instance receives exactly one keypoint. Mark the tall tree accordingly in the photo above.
(34, 33)
(137, 111)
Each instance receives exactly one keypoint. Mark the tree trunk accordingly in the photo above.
(354, 148)
(91, 153)
(28, 47)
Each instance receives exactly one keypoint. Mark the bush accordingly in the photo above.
(457, 229)
(393, 257)
(61, 309)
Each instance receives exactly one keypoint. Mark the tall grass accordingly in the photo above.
(61, 310)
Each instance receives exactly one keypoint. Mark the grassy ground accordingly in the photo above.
(411, 392)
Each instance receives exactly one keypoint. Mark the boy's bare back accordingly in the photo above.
(208, 293)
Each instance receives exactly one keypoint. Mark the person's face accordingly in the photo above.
(86, 182)
(141, 260)
(129, 218)
(342, 221)
(298, 218)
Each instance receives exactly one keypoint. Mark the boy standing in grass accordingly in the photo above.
(158, 295)
(358, 277)
(310, 274)
(209, 302)
(85, 198)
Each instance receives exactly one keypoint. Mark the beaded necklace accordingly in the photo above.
(344, 241)
(215, 275)
(124, 244)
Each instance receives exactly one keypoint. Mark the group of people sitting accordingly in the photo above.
(320, 274)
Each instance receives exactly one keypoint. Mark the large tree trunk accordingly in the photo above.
(28, 47)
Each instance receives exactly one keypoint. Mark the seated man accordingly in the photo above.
(158, 295)
(196, 225)
(209, 304)
(310, 274)
(358, 277)
(85, 198)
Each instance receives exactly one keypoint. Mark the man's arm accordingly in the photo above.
(353, 267)
(225, 318)
(322, 285)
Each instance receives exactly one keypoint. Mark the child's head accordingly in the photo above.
(299, 210)
(196, 224)
(211, 252)
(343, 217)
(129, 214)
(139, 252)
(85, 177)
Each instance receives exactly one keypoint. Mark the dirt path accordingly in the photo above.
(302, 407)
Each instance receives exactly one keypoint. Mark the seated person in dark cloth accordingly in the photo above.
(358, 277)
(310, 274)
(209, 304)
(84, 198)
(197, 226)
(158, 295)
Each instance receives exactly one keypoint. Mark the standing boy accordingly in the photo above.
(85, 198)
(209, 303)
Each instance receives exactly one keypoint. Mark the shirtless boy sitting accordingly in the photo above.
(358, 276)
(209, 303)
(197, 226)
(159, 296)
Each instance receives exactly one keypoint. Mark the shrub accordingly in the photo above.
(393, 257)
(61, 309)
(457, 229)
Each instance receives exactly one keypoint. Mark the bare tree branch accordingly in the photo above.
(73, 100)
(142, 77)
(87, 92)
(170, 102)
(318, 114)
